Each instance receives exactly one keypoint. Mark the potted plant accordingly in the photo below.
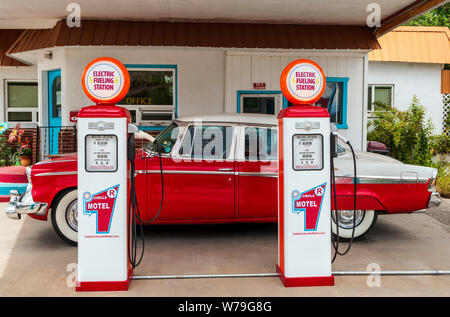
(24, 150)
(24, 153)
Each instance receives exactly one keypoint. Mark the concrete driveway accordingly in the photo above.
(35, 262)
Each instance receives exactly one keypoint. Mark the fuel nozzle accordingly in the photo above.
(131, 152)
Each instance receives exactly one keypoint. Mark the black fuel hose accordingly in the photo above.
(333, 180)
(133, 209)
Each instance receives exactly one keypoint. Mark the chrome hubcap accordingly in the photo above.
(345, 218)
(72, 215)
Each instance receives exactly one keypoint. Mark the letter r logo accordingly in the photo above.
(309, 203)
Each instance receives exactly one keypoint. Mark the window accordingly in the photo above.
(334, 99)
(152, 95)
(21, 101)
(207, 142)
(260, 144)
(257, 102)
(380, 93)
(165, 140)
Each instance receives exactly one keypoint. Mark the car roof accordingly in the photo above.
(265, 119)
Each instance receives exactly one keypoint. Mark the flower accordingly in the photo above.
(24, 149)
(16, 134)
(3, 127)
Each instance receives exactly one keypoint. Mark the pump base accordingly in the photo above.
(305, 281)
(104, 286)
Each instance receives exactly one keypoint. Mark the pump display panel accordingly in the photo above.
(307, 152)
(101, 153)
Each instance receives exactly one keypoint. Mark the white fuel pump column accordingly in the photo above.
(304, 250)
(103, 179)
(304, 205)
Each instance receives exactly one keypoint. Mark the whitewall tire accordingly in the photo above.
(365, 220)
(65, 217)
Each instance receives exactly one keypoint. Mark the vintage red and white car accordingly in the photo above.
(237, 183)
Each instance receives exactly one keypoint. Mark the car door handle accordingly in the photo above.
(225, 169)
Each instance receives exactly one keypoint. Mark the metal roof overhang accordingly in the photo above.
(189, 34)
(7, 38)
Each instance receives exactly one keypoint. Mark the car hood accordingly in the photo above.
(59, 158)
(58, 163)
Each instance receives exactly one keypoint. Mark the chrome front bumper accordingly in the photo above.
(24, 204)
(435, 200)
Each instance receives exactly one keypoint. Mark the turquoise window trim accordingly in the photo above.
(156, 66)
(343, 80)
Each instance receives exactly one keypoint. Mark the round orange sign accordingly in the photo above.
(105, 80)
(302, 82)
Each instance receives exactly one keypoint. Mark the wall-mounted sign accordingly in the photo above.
(259, 86)
(302, 82)
(105, 80)
(74, 116)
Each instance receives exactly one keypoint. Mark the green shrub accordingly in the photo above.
(407, 133)
(443, 179)
(440, 144)
(8, 153)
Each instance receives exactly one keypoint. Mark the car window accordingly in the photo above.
(212, 142)
(165, 140)
(261, 144)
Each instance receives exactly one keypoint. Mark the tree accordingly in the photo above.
(437, 17)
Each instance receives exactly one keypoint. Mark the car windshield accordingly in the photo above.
(165, 140)
(342, 147)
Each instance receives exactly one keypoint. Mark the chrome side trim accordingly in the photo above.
(378, 180)
(57, 173)
(339, 179)
(185, 172)
(60, 161)
(258, 174)
(218, 172)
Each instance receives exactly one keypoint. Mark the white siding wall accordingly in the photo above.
(200, 76)
(244, 69)
(423, 80)
(13, 73)
(208, 79)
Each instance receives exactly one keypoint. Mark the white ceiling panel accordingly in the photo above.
(42, 13)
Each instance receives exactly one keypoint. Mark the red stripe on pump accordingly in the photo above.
(280, 193)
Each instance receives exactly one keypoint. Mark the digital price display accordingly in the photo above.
(307, 152)
(101, 153)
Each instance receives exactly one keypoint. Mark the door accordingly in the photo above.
(257, 173)
(54, 111)
(199, 178)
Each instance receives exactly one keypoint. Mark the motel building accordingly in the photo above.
(186, 58)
